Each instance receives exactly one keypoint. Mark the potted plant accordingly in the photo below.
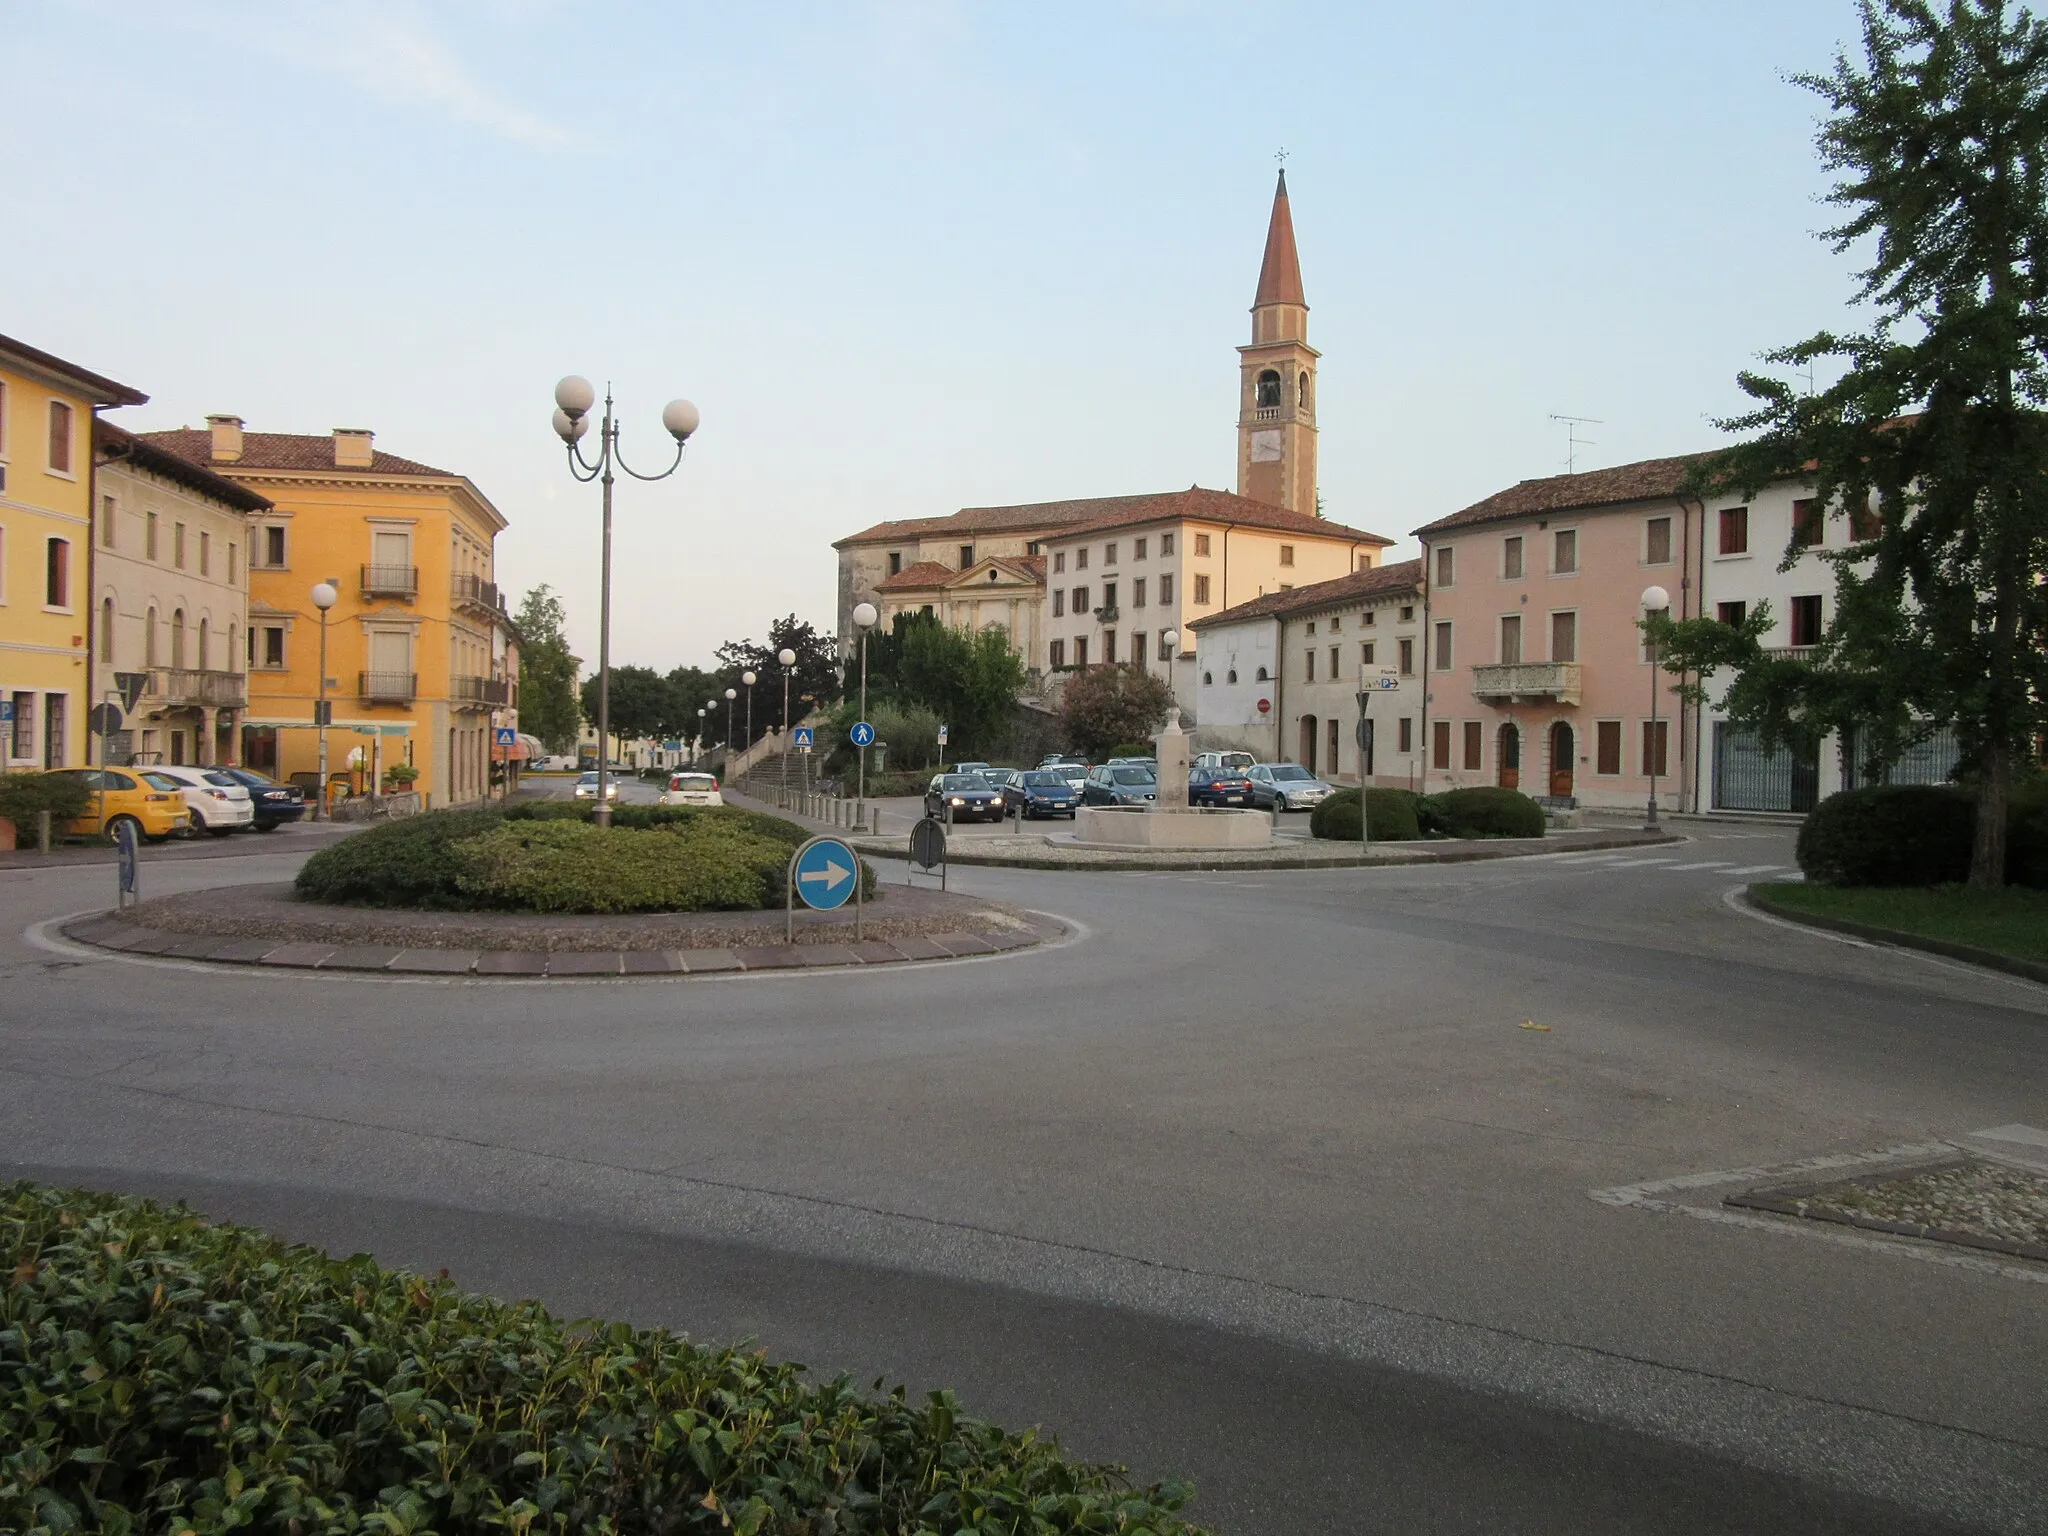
(399, 777)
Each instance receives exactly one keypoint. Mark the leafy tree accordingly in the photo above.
(642, 703)
(969, 680)
(1103, 706)
(547, 672)
(811, 677)
(1933, 441)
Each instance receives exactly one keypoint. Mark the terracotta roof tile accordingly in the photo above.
(1380, 581)
(1645, 480)
(1280, 272)
(118, 445)
(103, 390)
(920, 576)
(1200, 505)
(282, 450)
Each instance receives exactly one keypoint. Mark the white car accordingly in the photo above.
(220, 803)
(586, 786)
(1238, 760)
(1286, 787)
(692, 789)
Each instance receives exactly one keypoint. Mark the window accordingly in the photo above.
(1657, 541)
(1368, 618)
(1564, 637)
(106, 629)
(1332, 759)
(60, 437)
(1233, 674)
(1080, 650)
(273, 646)
(1443, 567)
(1165, 591)
(1511, 639)
(1731, 614)
(57, 574)
(1407, 658)
(895, 562)
(1864, 524)
(966, 556)
(1268, 393)
(1031, 547)
(1287, 554)
(1309, 665)
(205, 553)
(149, 639)
(1336, 666)
(1806, 620)
(1474, 740)
(1201, 591)
(1109, 553)
(178, 637)
(1080, 600)
(106, 522)
(1137, 592)
(1207, 679)
(1137, 549)
(3, 430)
(1564, 551)
(1407, 613)
(1201, 544)
(1311, 627)
(1165, 544)
(1405, 728)
(1056, 653)
(149, 538)
(205, 646)
(1109, 647)
(1440, 745)
(1735, 530)
(1607, 746)
(1809, 528)
(178, 545)
(1336, 622)
(1365, 654)
(1511, 558)
(1059, 560)
(273, 545)
(1109, 594)
(1059, 602)
(24, 726)
(1656, 741)
(234, 566)
(1081, 558)
(1443, 645)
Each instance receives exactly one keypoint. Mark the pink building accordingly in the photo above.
(1537, 677)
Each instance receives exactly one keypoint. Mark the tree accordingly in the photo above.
(642, 703)
(547, 672)
(1933, 441)
(811, 677)
(970, 680)
(1103, 707)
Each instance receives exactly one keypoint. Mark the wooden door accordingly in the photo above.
(1510, 756)
(1562, 751)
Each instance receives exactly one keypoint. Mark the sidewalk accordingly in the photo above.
(302, 837)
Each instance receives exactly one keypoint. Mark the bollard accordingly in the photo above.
(43, 830)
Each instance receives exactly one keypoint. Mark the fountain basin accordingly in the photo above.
(1177, 827)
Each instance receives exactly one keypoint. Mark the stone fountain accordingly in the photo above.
(1170, 822)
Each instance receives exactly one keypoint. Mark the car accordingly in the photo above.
(692, 789)
(1035, 792)
(1237, 760)
(1134, 762)
(971, 768)
(1219, 786)
(963, 797)
(219, 802)
(276, 804)
(586, 786)
(1120, 786)
(1076, 769)
(1286, 787)
(120, 794)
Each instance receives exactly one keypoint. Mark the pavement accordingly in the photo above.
(1370, 1200)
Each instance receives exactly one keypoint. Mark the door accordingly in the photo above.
(1510, 755)
(1562, 755)
(1308, 742)
(391, 555)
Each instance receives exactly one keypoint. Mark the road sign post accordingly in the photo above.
(825, 872)
(125, 861)
(928, 849)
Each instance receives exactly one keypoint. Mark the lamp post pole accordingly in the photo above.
(864, 617)
(1656, 601)
(573, 399)
(697, 755)
(749, 679)
(325, 595)
(787, 658)
(730, 695)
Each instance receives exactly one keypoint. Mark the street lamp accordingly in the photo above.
(1170, 638)
(325, 595)
(864, 619)
(573, 399)
(749, 679)
(698, 755)
(730, 695)
(788, 659)
(1656, 602)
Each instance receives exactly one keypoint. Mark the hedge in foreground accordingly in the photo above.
(159, 1373)
(1484, 810)
(1890, 834)
(1391, 814)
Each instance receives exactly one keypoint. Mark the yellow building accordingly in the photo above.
(414, 663)
(46, 499)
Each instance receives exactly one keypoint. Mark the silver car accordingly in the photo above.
(1286, 787)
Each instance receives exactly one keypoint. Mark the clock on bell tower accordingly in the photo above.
(1276, 416)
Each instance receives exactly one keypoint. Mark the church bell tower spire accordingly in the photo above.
(1276, 420)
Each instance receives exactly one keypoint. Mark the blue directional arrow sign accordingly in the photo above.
(804, 736)
(862, 734)
(824, 873)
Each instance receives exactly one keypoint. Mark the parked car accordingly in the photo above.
(692, 789)
(1219, 786)
(1238, 760)
(1035, 792)
(219, 802)
(1075, 768)
(586, 785)
(962, 797)
(974, 768)
(1120, 786)
(1286, 787)
(276, 804)
(122, 795)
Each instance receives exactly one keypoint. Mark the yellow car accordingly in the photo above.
(124, 794)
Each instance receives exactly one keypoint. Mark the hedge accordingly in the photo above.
(410, 863)
(1485, 810)
(1918, 834)
(1391, 813)
(162, 1373)
(24, 795)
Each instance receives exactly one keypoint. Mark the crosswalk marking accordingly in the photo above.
(1712, 864)
(1642, 863)
(1755, 869)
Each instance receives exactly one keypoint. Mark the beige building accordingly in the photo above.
(996, 591)
(171, 589)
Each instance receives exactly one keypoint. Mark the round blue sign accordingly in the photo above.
(824, 872)
(862, 734)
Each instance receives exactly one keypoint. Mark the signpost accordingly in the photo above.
(826, 873)
(804, 737)
(862, 735)
(928, 849)
(942, 749)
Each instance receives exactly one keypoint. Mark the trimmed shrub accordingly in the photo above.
(1484, 810)
(568, 866)
(1889, 834)
(159, 1372)
(2026, 836)
(1133, 749)
(24, 795)
(1392, 813)
(410, 863)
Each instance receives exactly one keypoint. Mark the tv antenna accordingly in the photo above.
(1572, 441)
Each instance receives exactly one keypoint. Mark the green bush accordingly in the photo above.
(1484, 810)
(1132, 749)
(1391, 813)
(568, 866)
(159, 1372)
(25, 795)
(1889, 834)
(410, 863)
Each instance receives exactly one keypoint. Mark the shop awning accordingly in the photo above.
(524, 749)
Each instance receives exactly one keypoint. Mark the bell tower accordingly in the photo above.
(1276, 410)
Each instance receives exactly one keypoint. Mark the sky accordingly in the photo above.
(911, 255)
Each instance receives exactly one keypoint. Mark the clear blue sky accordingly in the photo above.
(910, 255)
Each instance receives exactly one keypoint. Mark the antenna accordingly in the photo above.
(1572, 441)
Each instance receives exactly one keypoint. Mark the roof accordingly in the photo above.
(1645, 480)
(967, 521)
(286, 450)
(117, 445)
(918, 576)
(1030, 567)
(1196, 504)
(1280, 272)
(103, 390)
(1402, 577)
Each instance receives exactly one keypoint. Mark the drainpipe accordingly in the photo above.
(1691, 727)
(1279, 689)
(1423, 667)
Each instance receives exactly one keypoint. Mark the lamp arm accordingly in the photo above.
(620, 459)
(582, 472)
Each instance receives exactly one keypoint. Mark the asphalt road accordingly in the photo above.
(1260, 1180)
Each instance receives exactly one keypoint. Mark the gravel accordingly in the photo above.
(1991, 1202)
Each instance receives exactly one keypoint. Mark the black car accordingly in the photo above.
(275, 803)
(1033, 792)
(1219, 786)
(962, 797)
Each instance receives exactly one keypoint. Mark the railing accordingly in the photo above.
(178, 686)
(388, 687)
(475, 592)
(1266, 413)
(391, 580)
(1107, 614)
(1559, 680)
(1791, 652)
(478, 690)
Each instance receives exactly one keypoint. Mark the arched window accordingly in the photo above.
(1207, 680)
(106, 629)
(1269, 390)
(234, 655)
(1233, 675)
(1301, 398)
(149, 639)
(177, 637)
(1262, 675)
(203, 658)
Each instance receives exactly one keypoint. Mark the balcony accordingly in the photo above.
(1515, 682)
(1792, 652)
(479, 692)
(387, 687)
(391, 581)
(1266, 413)
(186, 687)
(475, 592)
(1107, 614)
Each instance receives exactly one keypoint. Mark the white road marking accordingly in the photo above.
(1757, 869)
(1712, 864)
(1642, 863)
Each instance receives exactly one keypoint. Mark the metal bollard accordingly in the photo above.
(43, 830)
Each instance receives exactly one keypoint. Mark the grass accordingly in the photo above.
(2011, 922)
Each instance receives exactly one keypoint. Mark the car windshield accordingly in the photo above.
(160, 781)
(693, 781)
(1289, 773)
(251, 776)
(1045, 781)
(590, 778)
(225, 780)
(954, 783)
(1132, 775)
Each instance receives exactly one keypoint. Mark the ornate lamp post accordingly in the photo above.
(1656, 602)
(573, 400)
(730, 695)
(325, 595)
(749, 679)
(698, 755)
(788, 659)
(864, 619)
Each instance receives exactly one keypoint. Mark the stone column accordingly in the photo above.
(1171, 748)
(209, 722)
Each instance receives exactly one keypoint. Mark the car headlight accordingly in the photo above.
(956, 800)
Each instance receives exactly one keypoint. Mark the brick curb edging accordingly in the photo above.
(1410, 855)
(106, 930)
(2032, 970)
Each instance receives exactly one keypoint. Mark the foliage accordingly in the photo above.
(402, 773)
(409, 863)
(1932, 440)
(968, 680)
(2008, 922)
(578, 866)
(1484, 810)
(1903, 834)
(642, 703)
(160, 1372)
(1133, 749)
(547, 672)
(909, 731)
(1102, 706)
(2026, 836)
(812, 681)
(1391, 814)
(24, 795)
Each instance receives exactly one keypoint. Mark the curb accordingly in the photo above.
(1409, 856)
(1990, 959)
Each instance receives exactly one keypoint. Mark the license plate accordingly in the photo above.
(1232, 799)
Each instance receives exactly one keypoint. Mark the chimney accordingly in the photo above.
(352, 447)
(227, 438)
